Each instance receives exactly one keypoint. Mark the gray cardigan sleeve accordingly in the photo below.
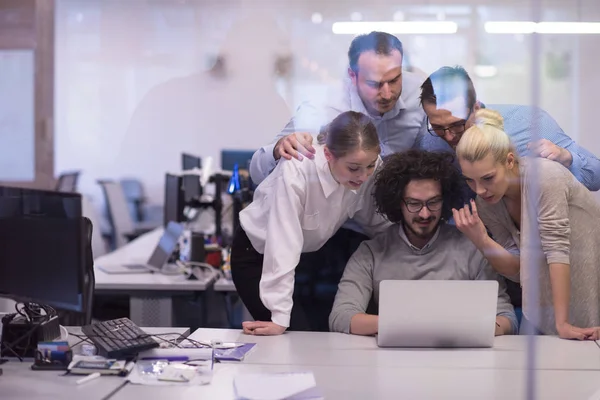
(354, 291)
(547, 191)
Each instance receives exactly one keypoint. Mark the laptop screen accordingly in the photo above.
(166, 245)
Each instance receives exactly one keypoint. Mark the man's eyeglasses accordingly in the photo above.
(456, 129)
(414, 206)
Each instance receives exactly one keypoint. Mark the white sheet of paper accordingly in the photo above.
(274, 386)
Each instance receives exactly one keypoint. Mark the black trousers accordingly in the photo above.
(317, 276)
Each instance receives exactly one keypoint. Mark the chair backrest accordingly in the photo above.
(118, 211)
(67, 181)
(98, 244)
(134, 192)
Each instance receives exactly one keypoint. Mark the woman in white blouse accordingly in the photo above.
(295, 210)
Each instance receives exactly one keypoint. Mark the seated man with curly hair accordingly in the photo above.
(416, 190)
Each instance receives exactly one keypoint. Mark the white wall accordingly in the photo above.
(129, 105)
(133, 91)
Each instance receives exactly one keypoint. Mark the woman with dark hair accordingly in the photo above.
(295, 210)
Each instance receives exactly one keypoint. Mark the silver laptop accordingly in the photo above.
(165, 247)
(428, 313)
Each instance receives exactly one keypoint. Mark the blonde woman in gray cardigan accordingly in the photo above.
(563, 241)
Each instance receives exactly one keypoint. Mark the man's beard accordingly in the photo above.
(418, 232)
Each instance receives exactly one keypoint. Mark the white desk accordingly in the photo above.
(20, 382)
(445, 380)
(349, 383)
(337, 349)
(150, 294)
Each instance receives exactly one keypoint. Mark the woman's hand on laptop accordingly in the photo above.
(262, 328)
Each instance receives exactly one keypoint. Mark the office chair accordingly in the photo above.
(123, 227)
(99, 247)
(67, 181)
(134, 192)
(139, 208)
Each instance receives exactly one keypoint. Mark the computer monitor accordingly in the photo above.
(174, 199)
(43, 252)
(192, 189)
(240, 157)
(189, 161)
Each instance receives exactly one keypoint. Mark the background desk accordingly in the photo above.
(150, 294)
(224, 285)
(20, 382)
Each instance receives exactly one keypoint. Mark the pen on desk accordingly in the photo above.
(168, 358)
(88, 378)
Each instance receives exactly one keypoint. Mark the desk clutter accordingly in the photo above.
(167, 358)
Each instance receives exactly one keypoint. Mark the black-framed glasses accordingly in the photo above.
(457, 129)
(415, 206)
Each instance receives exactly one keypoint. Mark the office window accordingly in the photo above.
(17, 116)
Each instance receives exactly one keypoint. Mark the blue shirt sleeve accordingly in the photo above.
(520, 123)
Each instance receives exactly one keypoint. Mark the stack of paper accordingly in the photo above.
(280, 386)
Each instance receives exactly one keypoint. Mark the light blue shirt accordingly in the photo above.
(399, 129)
(519, 124)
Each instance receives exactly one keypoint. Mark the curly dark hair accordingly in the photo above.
(399, 169)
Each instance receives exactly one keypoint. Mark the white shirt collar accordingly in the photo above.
(327, 180)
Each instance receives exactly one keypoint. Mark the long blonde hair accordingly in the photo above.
(487, 136)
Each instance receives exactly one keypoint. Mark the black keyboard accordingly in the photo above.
(119, 338)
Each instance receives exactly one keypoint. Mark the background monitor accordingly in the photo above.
(189, 161)
(191, 188)
(174, 199)
(240, 157)
(166, 245)
(42, 257)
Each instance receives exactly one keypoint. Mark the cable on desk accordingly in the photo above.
(32, 314)
(82, 338)
(115, 390)
(181, 338)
